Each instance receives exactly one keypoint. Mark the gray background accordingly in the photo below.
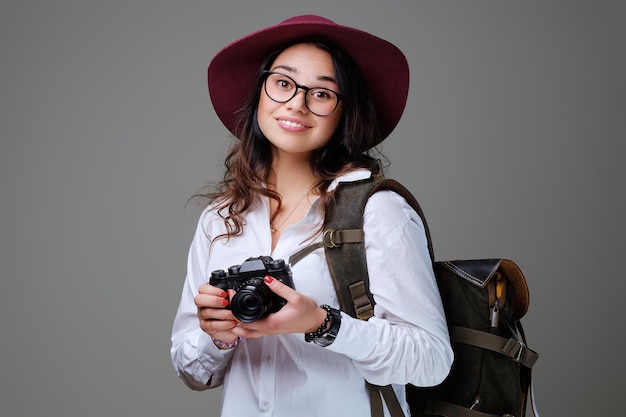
(511, 141)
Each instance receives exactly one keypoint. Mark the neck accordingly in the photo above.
(293, 181)
(290, 176)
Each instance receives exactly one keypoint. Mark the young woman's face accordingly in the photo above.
(291, 127)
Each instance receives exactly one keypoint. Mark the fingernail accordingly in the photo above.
(223, 294)
(225, 302)
(269, 279)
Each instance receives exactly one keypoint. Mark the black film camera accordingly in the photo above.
(253, 300)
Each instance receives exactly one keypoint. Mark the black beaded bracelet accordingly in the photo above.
(320, 331)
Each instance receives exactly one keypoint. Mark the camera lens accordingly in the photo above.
(252, 300)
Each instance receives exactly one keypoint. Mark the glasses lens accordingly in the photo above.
(281, 88)
(321, 101)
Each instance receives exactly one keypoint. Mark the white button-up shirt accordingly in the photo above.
(405, 342)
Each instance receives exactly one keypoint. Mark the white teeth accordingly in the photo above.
(290, 123)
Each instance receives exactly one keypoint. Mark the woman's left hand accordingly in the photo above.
(301, 314)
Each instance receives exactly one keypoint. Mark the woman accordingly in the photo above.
(306, 99)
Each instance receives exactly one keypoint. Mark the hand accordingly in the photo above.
(215, 319)
(301, 314)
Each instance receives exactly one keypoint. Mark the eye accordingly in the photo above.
(284, 83)
(322, 94)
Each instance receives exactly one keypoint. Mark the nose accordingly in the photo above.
(298, 101)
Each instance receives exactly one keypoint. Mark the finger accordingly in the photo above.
(279, 288)
(211, 290)
(208, 313)
(210, 301)
(214, 326)
(217, 327)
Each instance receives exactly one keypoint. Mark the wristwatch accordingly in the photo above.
(328, 337)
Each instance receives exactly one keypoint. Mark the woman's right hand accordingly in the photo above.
(215, 319)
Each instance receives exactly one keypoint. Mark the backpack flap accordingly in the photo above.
(481, 271)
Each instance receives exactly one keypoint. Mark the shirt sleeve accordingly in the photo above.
(196, 359)
(406, 341)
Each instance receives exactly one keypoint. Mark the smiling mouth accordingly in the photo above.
(291, 123)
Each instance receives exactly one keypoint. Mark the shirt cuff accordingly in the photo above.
(210, 356)
(355, 339)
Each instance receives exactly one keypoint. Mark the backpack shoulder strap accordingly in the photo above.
(347, 262)
(344, 246)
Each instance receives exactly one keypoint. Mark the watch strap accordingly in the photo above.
(328, 337)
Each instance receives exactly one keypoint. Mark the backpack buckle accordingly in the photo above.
(515, 344)
(518, 357)
(329, 239)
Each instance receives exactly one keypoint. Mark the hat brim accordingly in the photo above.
(232, 71)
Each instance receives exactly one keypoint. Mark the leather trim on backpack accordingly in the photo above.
(480, 271)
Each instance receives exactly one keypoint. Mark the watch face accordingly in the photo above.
(324, 340)
(329, 337)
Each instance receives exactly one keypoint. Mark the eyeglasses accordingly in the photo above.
(281, 88)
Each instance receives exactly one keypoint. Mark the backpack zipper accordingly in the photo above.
(495, 310)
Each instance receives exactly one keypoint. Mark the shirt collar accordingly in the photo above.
(356, 175)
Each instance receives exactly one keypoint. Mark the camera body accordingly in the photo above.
(253, 299)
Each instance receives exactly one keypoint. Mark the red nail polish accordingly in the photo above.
(225, 302)
(268, 279)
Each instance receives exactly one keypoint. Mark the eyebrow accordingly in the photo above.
(295, 71)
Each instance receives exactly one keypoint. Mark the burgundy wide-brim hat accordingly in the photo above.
(233, 70)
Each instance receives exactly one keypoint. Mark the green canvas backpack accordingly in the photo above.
(484, 301)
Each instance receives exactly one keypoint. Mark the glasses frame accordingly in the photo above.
(306, 89)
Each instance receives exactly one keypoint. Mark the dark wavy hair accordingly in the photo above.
(249, 160)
